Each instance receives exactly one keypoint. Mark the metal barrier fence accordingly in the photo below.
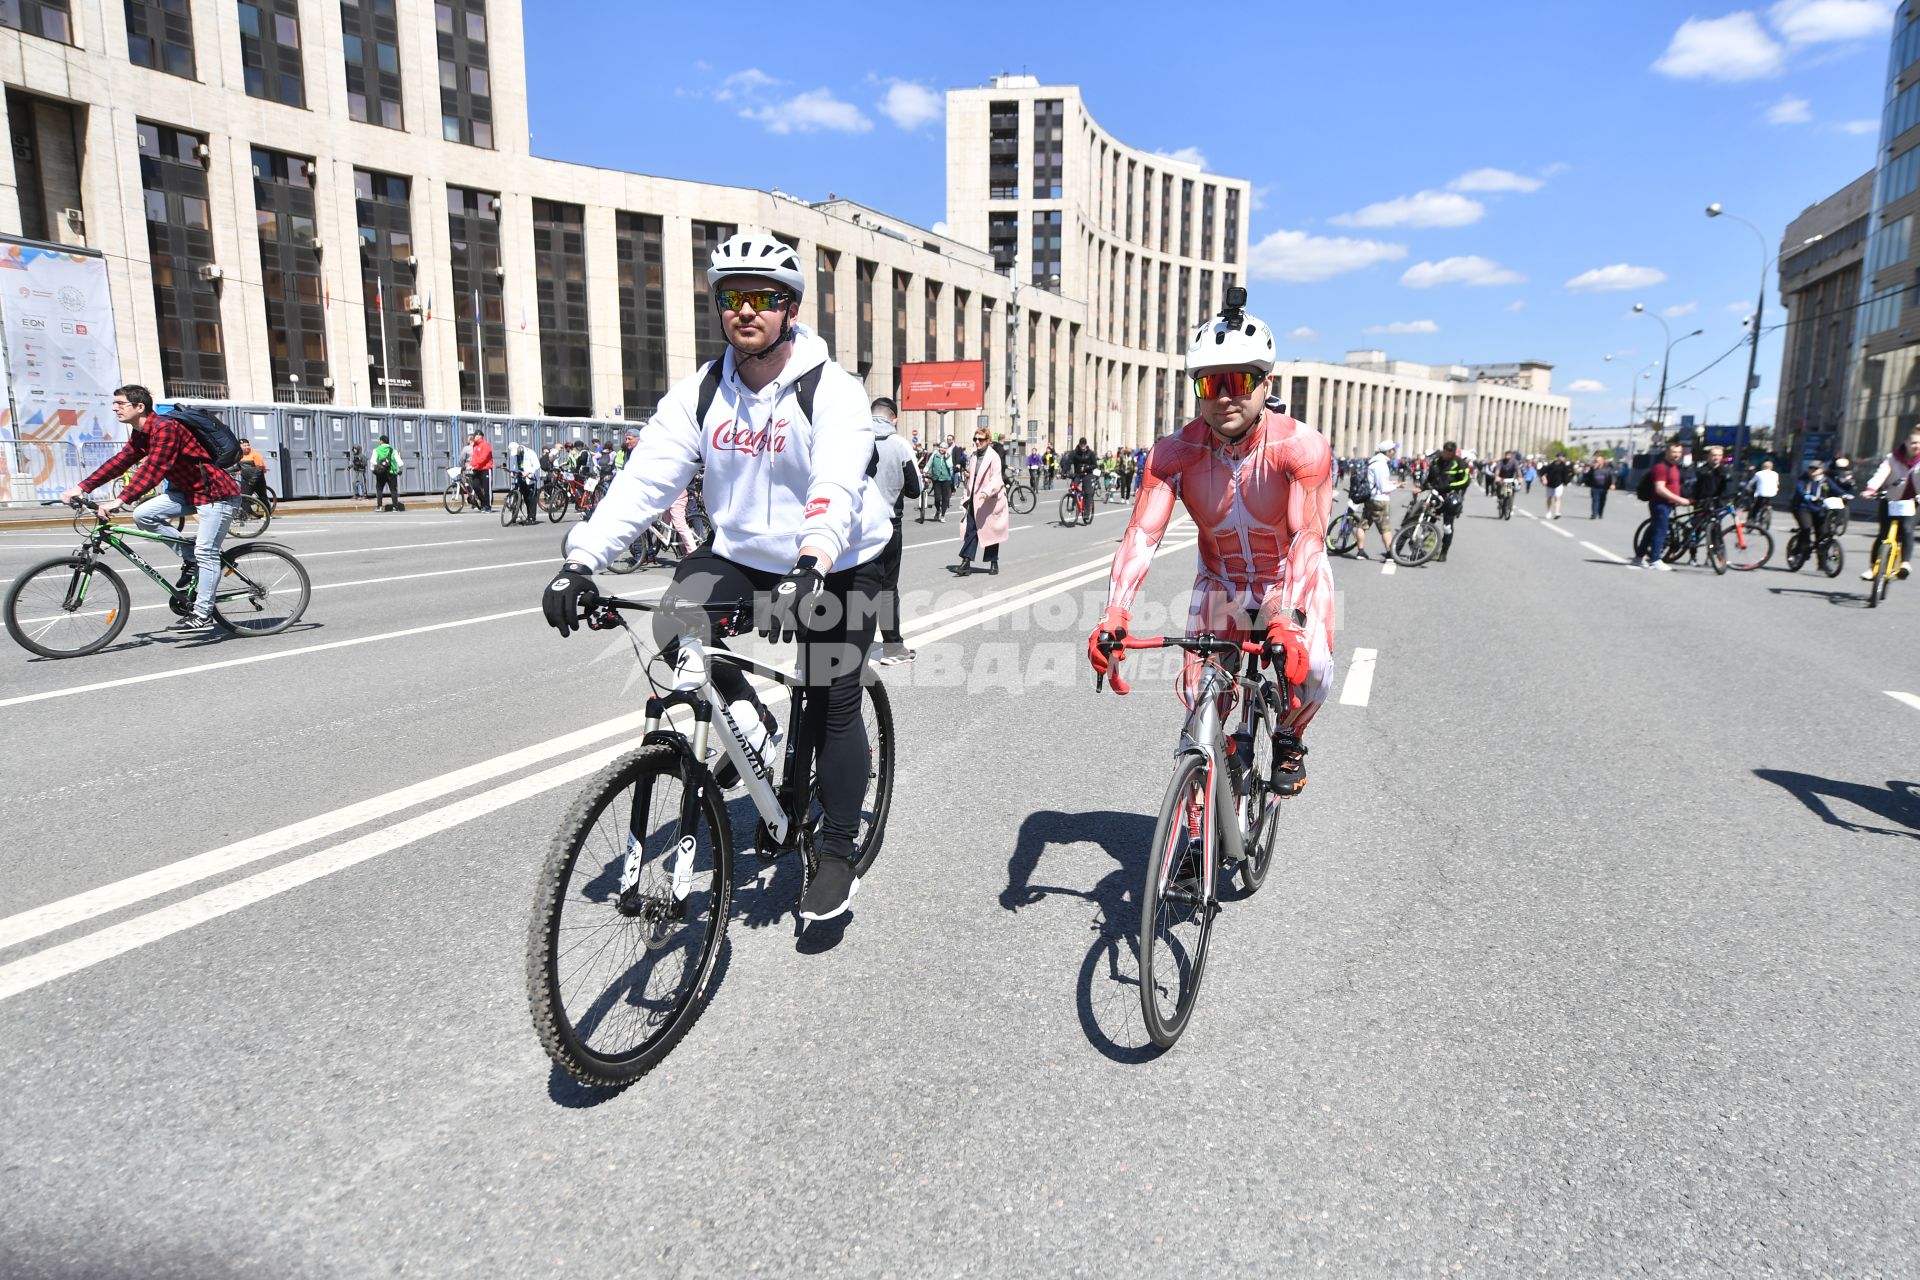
(309, 448)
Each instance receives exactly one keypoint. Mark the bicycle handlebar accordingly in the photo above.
(1192, 644)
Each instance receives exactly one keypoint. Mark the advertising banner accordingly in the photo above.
(62, 364)
(943, 384)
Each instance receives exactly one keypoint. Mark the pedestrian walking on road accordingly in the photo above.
(1052, 465)
(1380, 486)
(1663, 495)
(1599, 480)
(986, 508)
(1557, 474)
(1033, 467)
(1530, 475)
(940, 476)
(898, 479)
(387, 466)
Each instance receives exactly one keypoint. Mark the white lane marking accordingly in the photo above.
(1602, 551)
(1528, 514)
(1912, 700)
(104, 944)
(150, 676)
(1359, 685)
(1389, 567)
(70, 957)
(30, 924)
(941, 542)
(1554, 528)
(403, 546)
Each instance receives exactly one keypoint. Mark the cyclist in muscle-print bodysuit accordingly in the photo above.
(1257, 484)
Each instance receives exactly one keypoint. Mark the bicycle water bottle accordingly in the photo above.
(753, 729)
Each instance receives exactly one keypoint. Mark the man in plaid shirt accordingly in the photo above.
(168, 452)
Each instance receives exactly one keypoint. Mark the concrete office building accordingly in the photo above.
(1820, 261)
(1884, 381)
(337, 205)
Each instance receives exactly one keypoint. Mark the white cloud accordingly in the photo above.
(745, 84)
(1555, 169)
(1495, 180)
(1738, 308)
(1823, 21)
(810, 112)
(1735, 47)
(940, 228)
(911, 105)
(1617, 276)
(1679, 309)
(1185, 155)
(1422, 209)
(1586, 387)
(1859, 128)
(1517, 305)
(1299, 258)
(1467, 270)
(1304, 334)
(1790, 110)
(1403, 327)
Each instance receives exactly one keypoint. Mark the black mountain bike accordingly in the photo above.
(1823, 546)
(74, 605)
(634, 897)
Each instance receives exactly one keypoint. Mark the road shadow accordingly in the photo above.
(567, 1092)
(1107, 992)
(1897, 802)
(1841, 599)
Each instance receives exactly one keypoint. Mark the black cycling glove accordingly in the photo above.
(795, 599)
(570, 597)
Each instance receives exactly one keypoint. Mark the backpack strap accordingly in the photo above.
(803, 387)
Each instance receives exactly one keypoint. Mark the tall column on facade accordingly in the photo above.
(520, 305)
(603, 309)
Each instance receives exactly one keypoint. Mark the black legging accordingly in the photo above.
(386, 482)
(942, 495)
(889, 568)
(706, 587)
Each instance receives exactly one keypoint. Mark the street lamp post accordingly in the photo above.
(1759, 309)
(1633, 402)
(1660, 411)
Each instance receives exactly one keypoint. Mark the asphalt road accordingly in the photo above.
(1591, 950)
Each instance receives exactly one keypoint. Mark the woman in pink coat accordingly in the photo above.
(986, 507)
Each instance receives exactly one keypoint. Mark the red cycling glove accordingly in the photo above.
(1289, 644)
(1113, 626)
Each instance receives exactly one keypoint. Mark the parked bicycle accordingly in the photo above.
(634, 898)
(460, 494)
(659, 542)
(565, 490)
(1345, 532)
(77, 604)
(253, 515)
(1220, 816)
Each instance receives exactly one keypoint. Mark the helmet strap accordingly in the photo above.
(748, 359)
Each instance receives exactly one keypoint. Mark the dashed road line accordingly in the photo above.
(1359, 685)
(1911, 699)
(1602, 551)
(1389, 566)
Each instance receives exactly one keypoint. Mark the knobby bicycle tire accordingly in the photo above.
(61, 596)
(1832, 557)
(1416, 544)
(639, 924)
(1170, 903)
(1796, 550)
(263, 590)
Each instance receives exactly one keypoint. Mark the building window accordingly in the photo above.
(1206, 297)
(1206, 221)
(1073, 363)
(709, 340)
(173, 179)
(1126, 304)
(1883, 310)
(932, 308)
(560, 285)
(1049, 137)
(466, 74)
(986, 347)
(159, 35)
(1146, 269)
(640, 258)
(1160, 325)
(901, 283)
(283, 206)
(1186, 217)
(1182, 317)
(48, 19)
(1890, 245)
(1053, 372)
(370, 36)
(1046, 249)
(1033, 352)
(826, 299)
(1129, 214)
(1230, 249)
(1003, 151)
(863, 277)
(1899, 177)
(1166, 211)
(1003, 241)
(396, 314)
(960, 298)
(1146, 209)
(270, 51)
(479, 303)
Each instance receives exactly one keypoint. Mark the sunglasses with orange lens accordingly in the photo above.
(1233, 384)
(758, 299)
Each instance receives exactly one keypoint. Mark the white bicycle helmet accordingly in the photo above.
(1232, 340)
(752, 254)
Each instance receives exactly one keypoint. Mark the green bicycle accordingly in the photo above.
(74, 605)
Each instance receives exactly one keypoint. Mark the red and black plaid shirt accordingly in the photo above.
(166, 451)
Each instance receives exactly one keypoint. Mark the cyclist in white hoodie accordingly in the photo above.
(784, 435)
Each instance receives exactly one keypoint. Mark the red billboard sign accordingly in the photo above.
(943, 384)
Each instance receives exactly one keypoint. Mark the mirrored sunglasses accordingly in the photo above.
(1234, 384)
(758, 299)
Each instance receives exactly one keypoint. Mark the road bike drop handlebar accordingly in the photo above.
(1192, 644)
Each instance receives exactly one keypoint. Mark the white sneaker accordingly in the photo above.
(1664, 567)
(1867, 576)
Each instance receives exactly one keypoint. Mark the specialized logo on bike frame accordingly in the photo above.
(738, 436)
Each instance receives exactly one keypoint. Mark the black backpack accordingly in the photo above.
(214, 435)
(1360, 484)
(804, 387)
(1644, 489)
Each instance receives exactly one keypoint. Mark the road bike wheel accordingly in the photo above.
(1796, 550)
(66, 607)
(1086, 509)
(1022, 499)
(1417, 544)
(1833, 557)
(1069, 513)
(251, 519)
(1344, 538)
(510, 510)
(1176, 918)
(1746, 547)
(263, 590)
(876, 713)
(1259, 810)
(555, 505)
(628, 917)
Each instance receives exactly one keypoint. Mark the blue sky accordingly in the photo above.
(1468, 181)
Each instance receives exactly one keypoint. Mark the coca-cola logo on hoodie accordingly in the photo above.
(736, 435)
